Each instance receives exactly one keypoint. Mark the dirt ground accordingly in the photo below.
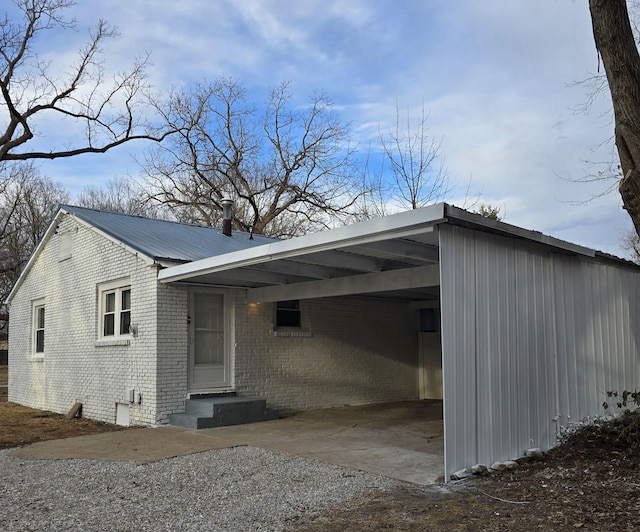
(591, 482)
(20, 425)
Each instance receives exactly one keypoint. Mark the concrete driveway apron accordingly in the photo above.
(402, 440)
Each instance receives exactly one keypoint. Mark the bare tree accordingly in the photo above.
(603, 164)
(28, 202)
(119, 195)
(417, 167)
(111, 111)
(613, 34)
(289, 170)
(630, 242)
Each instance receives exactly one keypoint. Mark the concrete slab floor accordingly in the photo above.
(402, 440)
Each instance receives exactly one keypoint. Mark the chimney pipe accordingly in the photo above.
(227, 204)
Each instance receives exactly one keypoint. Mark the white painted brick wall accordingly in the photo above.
(172, 351)
(74, 368)
(361, 351)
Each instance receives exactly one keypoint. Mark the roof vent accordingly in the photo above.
(227, 204)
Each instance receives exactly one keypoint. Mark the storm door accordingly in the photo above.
(208, 351)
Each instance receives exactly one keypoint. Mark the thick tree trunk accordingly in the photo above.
(616, 45)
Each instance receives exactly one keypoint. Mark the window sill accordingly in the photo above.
(107, 342)
(292, 333)
(37, 358)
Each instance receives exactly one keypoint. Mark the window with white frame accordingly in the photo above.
(115, 311)
(38, 327)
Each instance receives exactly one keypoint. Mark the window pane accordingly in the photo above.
(208, 311)
(38, 327)
(289, 305)
(110, 302)
(209, 347)
(125, 321)
(288, 314)
(109, 325)
(40, 341)
(429, 320)
(126, 300)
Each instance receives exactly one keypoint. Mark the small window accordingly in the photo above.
(38, 328)
(288, 314)
(429, 320)
(116, 312)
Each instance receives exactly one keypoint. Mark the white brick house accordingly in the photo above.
(117, 340)
(518, 333)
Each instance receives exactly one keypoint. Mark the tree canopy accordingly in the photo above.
(289, 170)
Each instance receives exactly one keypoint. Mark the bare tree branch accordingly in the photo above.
(112, 112)
(289, 170)
(417, 167)
(28, 202)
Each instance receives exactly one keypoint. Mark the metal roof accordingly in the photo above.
(163, 240)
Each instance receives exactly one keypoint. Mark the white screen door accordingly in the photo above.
(208, 355)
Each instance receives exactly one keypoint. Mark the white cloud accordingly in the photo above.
(494, 77)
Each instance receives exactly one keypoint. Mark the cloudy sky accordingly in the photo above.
(497, 78)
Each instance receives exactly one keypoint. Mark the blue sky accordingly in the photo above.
(496, 77)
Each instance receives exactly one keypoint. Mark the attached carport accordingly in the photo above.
(393, 257)
(498, 289)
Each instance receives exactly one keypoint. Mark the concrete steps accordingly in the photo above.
(222, 410)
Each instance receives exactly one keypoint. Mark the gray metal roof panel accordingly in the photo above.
(166, 240)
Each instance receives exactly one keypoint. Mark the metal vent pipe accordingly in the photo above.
(227, 204)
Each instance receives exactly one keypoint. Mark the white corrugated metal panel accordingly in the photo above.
(597, 330)
(457, 307)
(531, 340)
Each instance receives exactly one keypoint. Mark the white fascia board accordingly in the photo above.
(400, 225)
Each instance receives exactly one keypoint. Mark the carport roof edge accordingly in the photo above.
(398, 225)
(394, 226)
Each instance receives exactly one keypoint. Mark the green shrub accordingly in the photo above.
(627, 427)
(623, 399)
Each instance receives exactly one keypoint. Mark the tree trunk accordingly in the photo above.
(616, 45)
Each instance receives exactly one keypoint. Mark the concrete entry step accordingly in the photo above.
(222, 411)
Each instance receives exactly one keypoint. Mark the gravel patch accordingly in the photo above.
(243, 488)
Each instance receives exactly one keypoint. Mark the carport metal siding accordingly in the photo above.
(458, 332)
(531, 340)
(597, 334)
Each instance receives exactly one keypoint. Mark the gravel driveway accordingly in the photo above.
(242, 488)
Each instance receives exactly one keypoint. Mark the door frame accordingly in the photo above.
(227, 310)
(430, 383)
